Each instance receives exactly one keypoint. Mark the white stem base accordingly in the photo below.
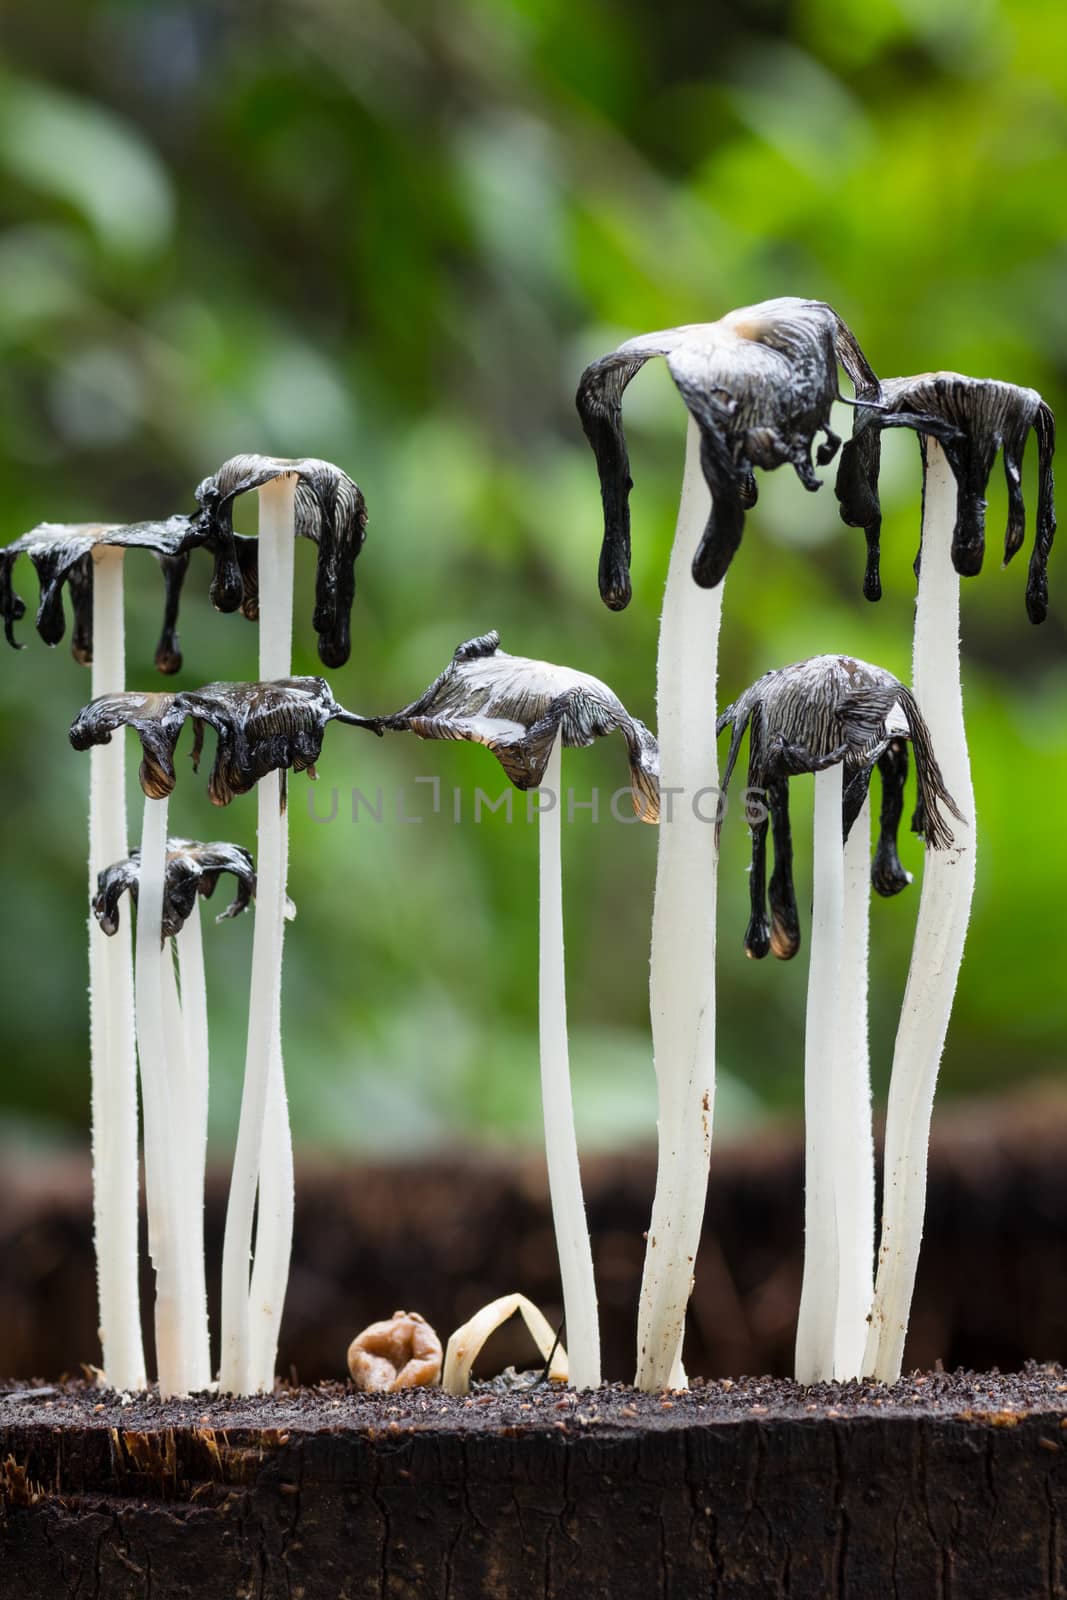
(189, 1078)
(682, 986)
(168, 1245)
(116, 1200)
(852, 1135)
(941, 929)
(819, 1291)
(263, 1158)
(561, 1144)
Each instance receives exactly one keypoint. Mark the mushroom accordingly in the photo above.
(758, 384)
(402, 1353)
(961, 423)
(313, 499)
(837, 718)
(86, 560)
(262, 729)
(525, 712)
(192, 869)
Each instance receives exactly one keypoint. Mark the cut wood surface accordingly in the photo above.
(944, 1485)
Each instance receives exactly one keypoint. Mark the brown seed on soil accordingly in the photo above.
(403, 1353)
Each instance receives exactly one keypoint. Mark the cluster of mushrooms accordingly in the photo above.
(759, 385)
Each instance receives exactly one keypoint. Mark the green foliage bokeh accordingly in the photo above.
(392, 234)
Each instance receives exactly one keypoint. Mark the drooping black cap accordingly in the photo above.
(971, 418)
(192, 868)
(759, 383)
(62, 557)
(260, 728)
(330, 510)
(813, 715)
(517, 707)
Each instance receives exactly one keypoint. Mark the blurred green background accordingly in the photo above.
(392, 234)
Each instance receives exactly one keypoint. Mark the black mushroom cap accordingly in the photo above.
(62, 557)
(260, 728)
(971, 418)
(759, 383)
(810, 716)
(330, 511)
(192, 868)
(516, 707)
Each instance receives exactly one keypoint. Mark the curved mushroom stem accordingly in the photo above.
(682, 988)
(113, 1047)
(263, 1156)
(941, 929)
(164, 1148)
(819, 1291)
(853, 1143)
(561, 1145)
(190, 1072)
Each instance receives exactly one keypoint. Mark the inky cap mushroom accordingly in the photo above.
(61, 553)
(759, 383)
(261, 728)
(330, 510)
(516, 707)
(805, 718)
(192, 868)
(403, 1353)
(971, 418)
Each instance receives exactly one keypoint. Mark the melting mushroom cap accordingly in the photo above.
(972, 419)
(516, 707)
(807, 717)
(260, 728)
(62, 557)
(329, 510)
(759, 384)
(192, 868)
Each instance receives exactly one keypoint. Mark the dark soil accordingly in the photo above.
(527, 1403)
(944, 1485)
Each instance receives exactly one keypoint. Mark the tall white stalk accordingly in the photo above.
(113, 1048)
(852, 1139)
(941, 929)
(263, 1156)
(682, 988)
(819, 1291)
(561, 1144)
(189, 1077)
(168, 1247)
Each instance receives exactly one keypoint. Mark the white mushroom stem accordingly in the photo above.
(168, 1248)
(274, 1225)
(819, 1289)
(683, 938)
(189, 1075)
(112, 1039)
(263, 1157)
(941, 929)
(852, 1136)
(561, 1144)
